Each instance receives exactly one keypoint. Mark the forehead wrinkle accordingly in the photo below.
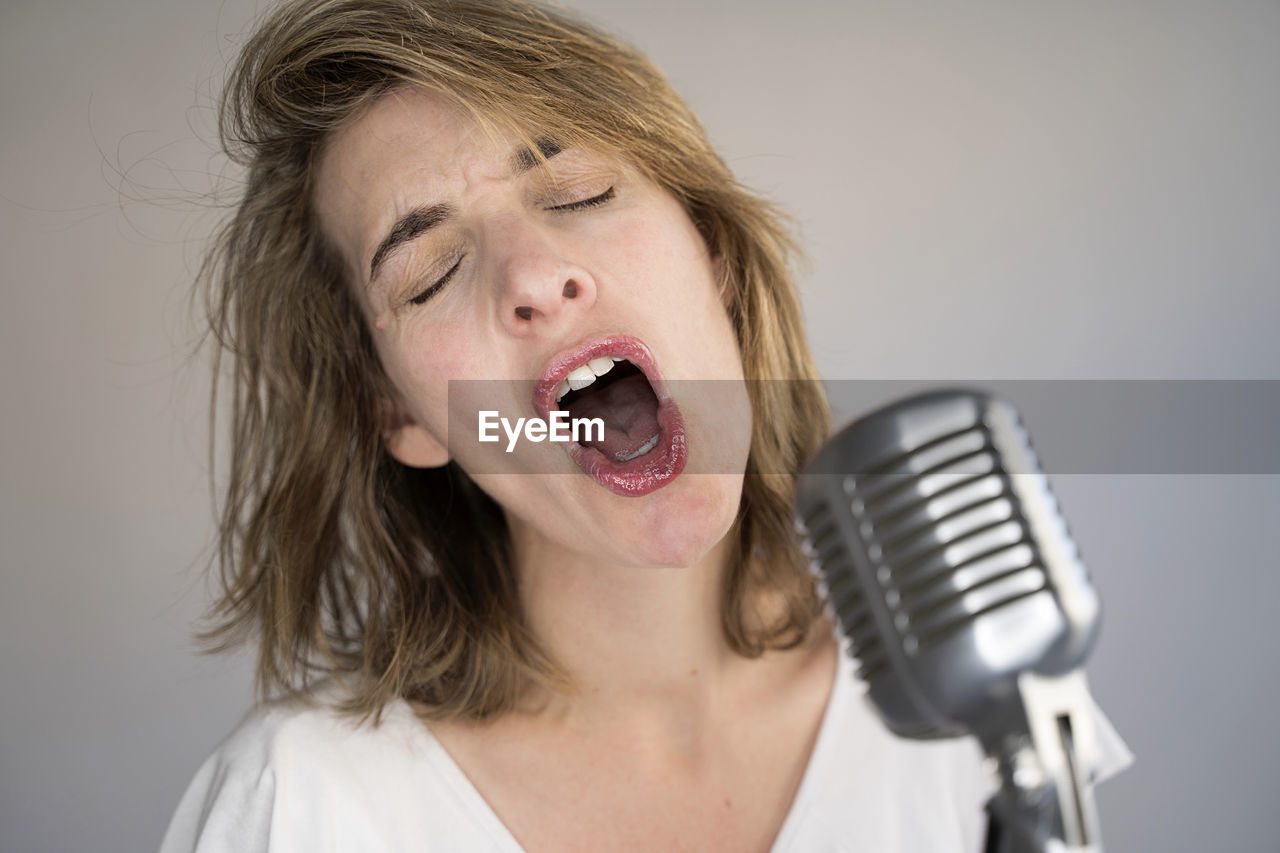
(422, 218)
(393, 124)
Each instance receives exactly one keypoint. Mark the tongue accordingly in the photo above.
(630, 414)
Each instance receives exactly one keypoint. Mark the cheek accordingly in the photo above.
(687, 286)
(663, 250)
(420, 362)
(642, 250)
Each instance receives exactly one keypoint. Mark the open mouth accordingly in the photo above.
(616, 392)
(615, 380)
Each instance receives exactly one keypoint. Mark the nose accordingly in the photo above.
(541, 286)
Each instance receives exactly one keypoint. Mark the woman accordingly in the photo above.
(460, 211)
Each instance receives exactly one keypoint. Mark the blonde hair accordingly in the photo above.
(344, 562)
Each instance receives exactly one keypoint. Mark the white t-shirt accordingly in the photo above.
(299, 779)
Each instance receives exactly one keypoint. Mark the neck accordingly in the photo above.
(639, 643)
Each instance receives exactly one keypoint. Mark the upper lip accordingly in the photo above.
(562, 364)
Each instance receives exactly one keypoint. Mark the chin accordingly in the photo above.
(685, 525)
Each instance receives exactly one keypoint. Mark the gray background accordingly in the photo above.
(987, 190)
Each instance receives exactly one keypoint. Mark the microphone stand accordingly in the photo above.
(1047, 771)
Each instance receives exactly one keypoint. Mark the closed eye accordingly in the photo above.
(433, 289)
(594, 201)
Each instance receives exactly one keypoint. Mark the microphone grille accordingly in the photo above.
(929, 525)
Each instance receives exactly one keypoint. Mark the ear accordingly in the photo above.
(412, 444)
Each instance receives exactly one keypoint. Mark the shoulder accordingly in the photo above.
(297, 775)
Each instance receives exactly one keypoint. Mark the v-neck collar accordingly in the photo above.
(487, 820)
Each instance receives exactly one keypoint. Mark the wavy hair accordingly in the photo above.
(338, 560)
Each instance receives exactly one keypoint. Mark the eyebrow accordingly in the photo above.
(422, 219)
(524, 159)
(408, 227)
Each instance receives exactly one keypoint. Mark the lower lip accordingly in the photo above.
(644, 474)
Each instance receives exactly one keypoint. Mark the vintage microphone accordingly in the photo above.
(951, 573)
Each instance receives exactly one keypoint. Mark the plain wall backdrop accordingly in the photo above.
(986, 190)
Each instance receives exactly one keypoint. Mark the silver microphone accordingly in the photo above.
(949, 569)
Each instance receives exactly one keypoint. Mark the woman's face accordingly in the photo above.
(493, 284)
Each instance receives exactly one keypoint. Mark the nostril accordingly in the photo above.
(570, 289)
(524, 312)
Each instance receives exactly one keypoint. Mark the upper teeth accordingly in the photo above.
(582, 376)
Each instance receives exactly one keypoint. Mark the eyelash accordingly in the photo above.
(594, 201)
(435, 288)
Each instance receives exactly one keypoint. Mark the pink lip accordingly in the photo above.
(641, 475)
